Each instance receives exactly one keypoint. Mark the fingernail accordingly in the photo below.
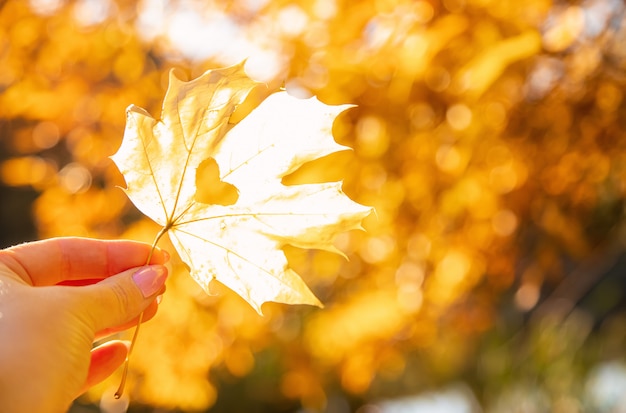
(150, 279)
(166, 255)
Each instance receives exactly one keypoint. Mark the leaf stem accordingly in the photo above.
(120, 390)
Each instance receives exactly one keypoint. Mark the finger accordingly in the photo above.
(148, 314)
(105, 360)
(80, 282)
(55, 260)
(116, 300)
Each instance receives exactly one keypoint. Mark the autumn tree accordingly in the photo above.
(487, 135)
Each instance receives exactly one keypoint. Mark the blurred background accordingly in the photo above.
(489, 136)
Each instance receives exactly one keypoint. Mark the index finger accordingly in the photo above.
(51, 261)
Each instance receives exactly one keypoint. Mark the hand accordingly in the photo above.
(47, 330)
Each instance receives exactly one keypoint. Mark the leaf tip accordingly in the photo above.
(176, 75)
(132, 108)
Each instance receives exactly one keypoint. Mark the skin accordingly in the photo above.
(47, 330)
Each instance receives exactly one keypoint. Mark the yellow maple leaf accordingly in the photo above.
(234, 231)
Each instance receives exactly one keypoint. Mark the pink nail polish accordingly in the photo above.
(150, 279)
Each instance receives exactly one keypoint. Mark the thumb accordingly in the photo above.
(118, 299)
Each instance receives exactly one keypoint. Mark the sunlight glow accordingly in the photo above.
(200, 32)
(456, 399)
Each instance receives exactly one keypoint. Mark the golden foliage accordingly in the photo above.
(487, 137)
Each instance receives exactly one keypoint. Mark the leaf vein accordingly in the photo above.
(230, 251)
(144, 145)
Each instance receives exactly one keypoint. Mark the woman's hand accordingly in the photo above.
(56, 297)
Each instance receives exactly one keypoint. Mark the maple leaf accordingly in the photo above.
(233, 231)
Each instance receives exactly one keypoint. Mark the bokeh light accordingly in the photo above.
(489, 137)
